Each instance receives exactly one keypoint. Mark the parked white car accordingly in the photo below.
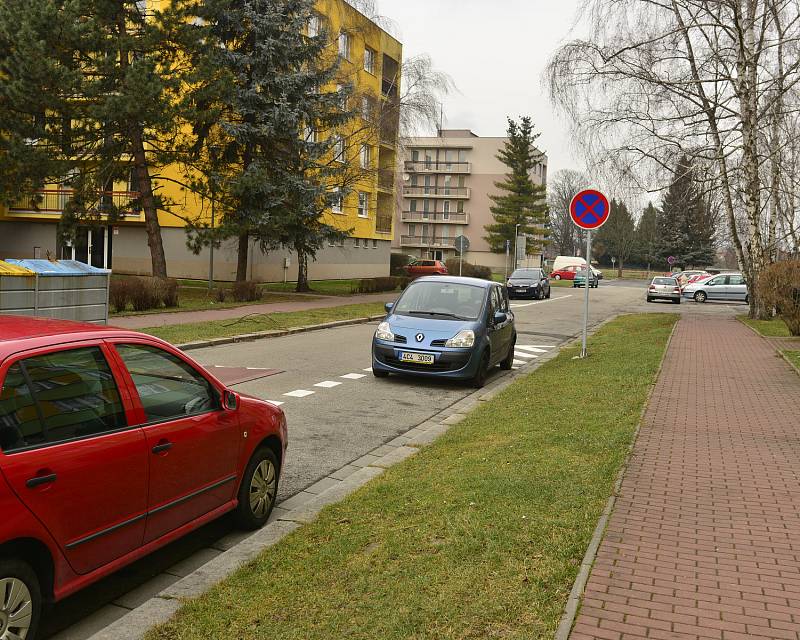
(725, 286)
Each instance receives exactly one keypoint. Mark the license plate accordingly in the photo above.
(522, 288)
(417, 358)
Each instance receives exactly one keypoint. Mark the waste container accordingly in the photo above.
(65, 289)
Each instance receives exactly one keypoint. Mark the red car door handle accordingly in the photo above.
(161, 447)
(40, 480)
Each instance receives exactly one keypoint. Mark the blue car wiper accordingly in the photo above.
(436, 313)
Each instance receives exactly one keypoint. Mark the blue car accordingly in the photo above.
(446, 327)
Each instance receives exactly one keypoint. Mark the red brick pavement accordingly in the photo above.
(704, 541)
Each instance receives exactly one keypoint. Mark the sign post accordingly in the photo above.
(508, 248)
(461, 244)
(589, 210)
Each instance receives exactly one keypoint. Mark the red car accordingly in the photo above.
(113, 444)
(567, 273)
(426, 268)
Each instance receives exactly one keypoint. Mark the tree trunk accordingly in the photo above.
(619, 269)
(302, 271)
(242, 256)
(145, 185)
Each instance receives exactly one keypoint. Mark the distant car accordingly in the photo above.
(683, 276)
(113, 444)
(566, 261)
(528, 283)
(426, 268)
(598, 273)
(581, 276)
(699, 278)
(446, 327)
(725, 286)
(662, 288)
(566, 273)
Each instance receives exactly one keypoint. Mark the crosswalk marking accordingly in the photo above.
(519, 362)
(536, 348)
(299, 393)
(522, 354)
(353, 376)
(327, 384)
(277, 403)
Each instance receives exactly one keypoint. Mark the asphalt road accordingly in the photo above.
(337, 411)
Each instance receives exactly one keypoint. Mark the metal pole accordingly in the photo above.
(211, 248)
(586, 293)
(460, 259)
(508, 246)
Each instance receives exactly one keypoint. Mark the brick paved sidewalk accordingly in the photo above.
(184, 317)
(704, 541)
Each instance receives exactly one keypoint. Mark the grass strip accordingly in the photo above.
(794, 358)
(198, 299)
(774, 328)
(182, 333)
(478, 536)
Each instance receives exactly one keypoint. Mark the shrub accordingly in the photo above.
(403, 282)
(468, 270)
(397, 261)
(219, 294)
(779, 286)
(247, 291)
(144, 294)
(376, 285)
(119, 294)
(169, 293)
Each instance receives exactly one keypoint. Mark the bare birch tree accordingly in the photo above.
(710, 79)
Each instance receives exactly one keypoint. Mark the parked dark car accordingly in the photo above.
(113, 444)
(528, 283)
(446, 327)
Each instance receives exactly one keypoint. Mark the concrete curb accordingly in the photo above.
(303, 508)
(791, 364)
(277, 333)
(576, 595)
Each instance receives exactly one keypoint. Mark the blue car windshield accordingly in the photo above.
(441, 299)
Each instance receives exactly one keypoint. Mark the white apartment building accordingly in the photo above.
(446, 184)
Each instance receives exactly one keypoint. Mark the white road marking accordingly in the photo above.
(535, 349)
(328, 384)
(368, 369)
(519, 362)
(275, 402)
(530, 304)
(299, 393)
(353, 376)
(256, 369)
(522, 354)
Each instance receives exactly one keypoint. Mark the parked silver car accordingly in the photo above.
(664, 288)
(725, 286)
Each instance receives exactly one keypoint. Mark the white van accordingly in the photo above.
(566, 261)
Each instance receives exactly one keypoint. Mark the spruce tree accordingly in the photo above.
(618, 234)
(647, 235)
(522, 202)
(273, 117)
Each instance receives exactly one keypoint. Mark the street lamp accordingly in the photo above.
(516, 245)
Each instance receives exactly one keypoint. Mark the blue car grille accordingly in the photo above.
(400, 339)
(438, 343)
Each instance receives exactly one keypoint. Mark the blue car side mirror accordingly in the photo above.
(389, 306)
(500, 317)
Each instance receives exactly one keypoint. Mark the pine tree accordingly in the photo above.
(522, 202)
(618, 234)
(686, 225)
(647, 235)
(277, 125)
(37, 75)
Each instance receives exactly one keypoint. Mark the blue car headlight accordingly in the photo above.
(384, 332)
(462, 340)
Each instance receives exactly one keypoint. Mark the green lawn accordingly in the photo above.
(193, 298)
(478, 536)
(560, 283)
(794, 356)
(182, 333)
(775, 328)
(325, 287)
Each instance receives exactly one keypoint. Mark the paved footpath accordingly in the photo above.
(704, 541)
(185, 317)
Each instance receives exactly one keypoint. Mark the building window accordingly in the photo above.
(460, 206)
(426, 206)
(447, 183)
(344, 45)
(338, 148)
(356, 242)
(374, 244)
(446, 210)
(412, 230)
(341, 242)
(310, 134)
(445, 234)
(366, 156)
(363, 205)
(367, 109)
(369, 60)
(415, 156)
(337, 202)
(413, 206)
(314, 26)
(462, 155)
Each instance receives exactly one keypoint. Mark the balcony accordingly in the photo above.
(436, 192)
(435, 218)
(438, 167)
(53, 201)
(430, 242)
(386, 179)
(383, 223)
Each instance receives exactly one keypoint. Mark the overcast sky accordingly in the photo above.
(495, 51)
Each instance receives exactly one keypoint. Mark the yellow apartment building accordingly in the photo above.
(371, 61)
